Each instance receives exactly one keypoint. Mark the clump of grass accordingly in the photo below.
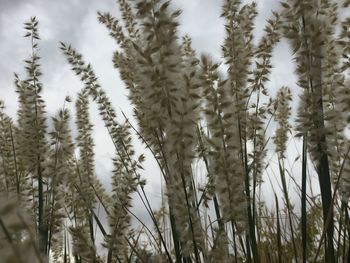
(188, 110)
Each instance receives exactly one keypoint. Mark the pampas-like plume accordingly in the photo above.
(124, 184)
(9, 175)
(60, 169)
(343, 104)
(32, 131)
(224, 140)
(310, 25)
(81, 198)
(238, 53)
(282, 115)
(85, 144)
(161, 79)
(126, 177)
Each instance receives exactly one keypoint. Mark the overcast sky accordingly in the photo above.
(75, 22)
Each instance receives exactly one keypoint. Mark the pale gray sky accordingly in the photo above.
(75, 22)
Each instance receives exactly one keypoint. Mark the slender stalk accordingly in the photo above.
(279, 243)
(329, 217)
(304, 233)
(289, 209)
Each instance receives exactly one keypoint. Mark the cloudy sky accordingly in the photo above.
(75, 22)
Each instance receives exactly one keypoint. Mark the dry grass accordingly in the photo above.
(188, 110)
